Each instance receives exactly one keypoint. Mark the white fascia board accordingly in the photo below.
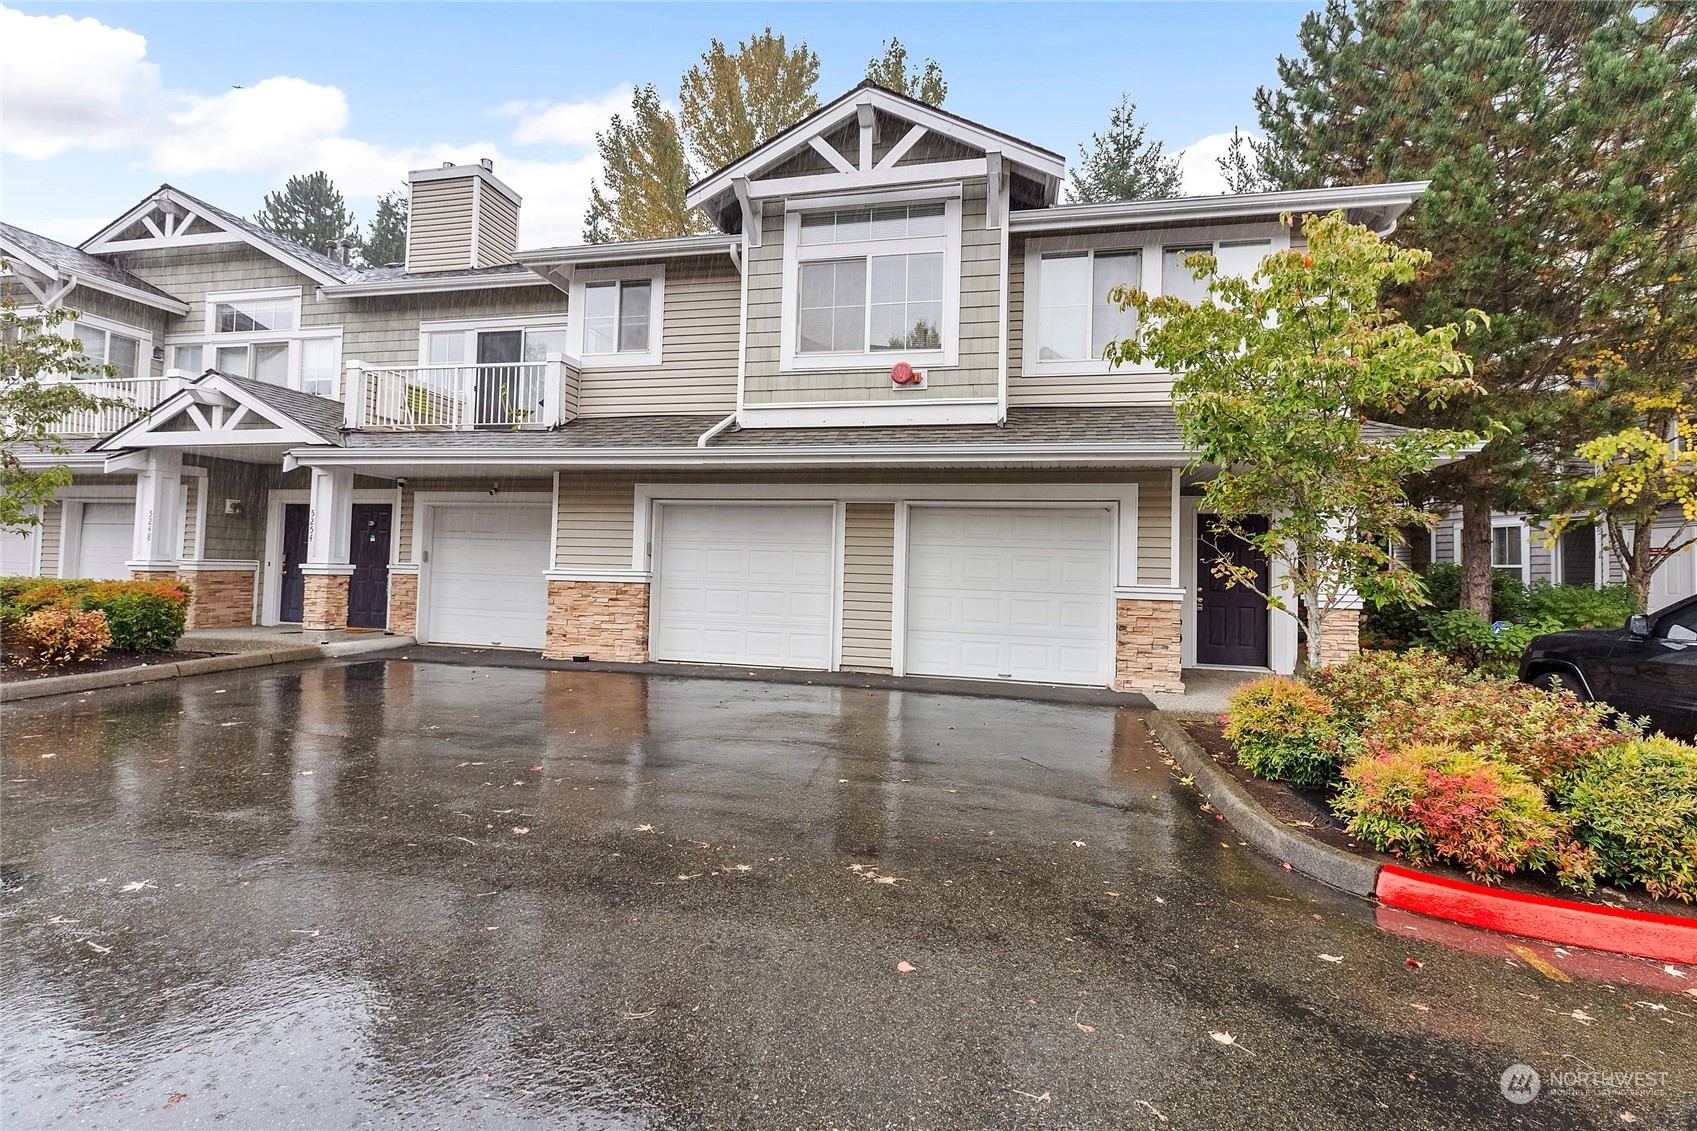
(103, 240)
(1059, 455)
(145, 298)
(631, 251)
(90, 459)
(1202, 209)
(431, 286)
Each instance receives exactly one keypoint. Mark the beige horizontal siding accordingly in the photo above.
(596, 523)
(869, 541)
(52, 533)
(404, 530)
(439, 225)
(191, 514)
(498, 228)
(1155, 529)
(384, 331)
(698, 347)
(192, 272)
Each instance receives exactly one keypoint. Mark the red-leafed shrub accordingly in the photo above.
(1431, 803)
(1544, 733)
(59, 635)
(1372, 682)
(142, 616)
(1284, 730)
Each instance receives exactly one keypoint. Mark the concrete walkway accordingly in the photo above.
(1205, 691)
(272, 638)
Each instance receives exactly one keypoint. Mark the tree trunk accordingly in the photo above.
(1476, 557)
(1641, 565)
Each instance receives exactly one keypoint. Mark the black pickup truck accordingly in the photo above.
(1647, 668)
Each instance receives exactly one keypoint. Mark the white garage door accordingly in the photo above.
(1021, 593)
(745, 585)
(486, 583)
(106, 539)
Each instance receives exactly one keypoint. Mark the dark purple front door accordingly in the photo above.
(292, 604)
(368, 589)
(1231, 621)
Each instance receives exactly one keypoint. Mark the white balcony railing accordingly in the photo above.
(428, 398)
(136, 394)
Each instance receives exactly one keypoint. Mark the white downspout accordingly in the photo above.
(707, 436)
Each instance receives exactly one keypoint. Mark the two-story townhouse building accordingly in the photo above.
(862, 425)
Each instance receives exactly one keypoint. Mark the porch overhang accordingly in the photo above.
(234, 418)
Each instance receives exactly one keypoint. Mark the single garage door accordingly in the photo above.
(106, 540)
(1022, 593)
(486, 575)
(741, 584)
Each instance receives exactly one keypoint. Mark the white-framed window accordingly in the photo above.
(253, 312)
(1508, 548)
(1068, 320)
(126, 349)
(870, 282)
(617, 316)
(492, 341)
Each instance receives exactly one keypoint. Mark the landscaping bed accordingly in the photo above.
(1308, 811)
(112, 661)
(1412, 758)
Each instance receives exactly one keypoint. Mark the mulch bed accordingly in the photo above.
(12, 673)
(1309, 811)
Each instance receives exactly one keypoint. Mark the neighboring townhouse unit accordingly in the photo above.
(863, 425)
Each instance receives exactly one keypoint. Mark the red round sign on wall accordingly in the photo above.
(901, 373)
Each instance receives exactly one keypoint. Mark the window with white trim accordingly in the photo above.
(865, 283)
(1508, 547)
(109, 346)
(617, 316)
(258, 335)
(492, 342)
(1075, 320)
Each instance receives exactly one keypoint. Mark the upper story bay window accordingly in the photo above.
(865, 287)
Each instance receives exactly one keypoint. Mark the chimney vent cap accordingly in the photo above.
(488, 164)
(447, 164)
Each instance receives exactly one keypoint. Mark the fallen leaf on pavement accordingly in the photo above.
(1152, 1109)
(60, 919)
(137, 885)
(637, 1016)
(1421, 1008)
(1332, 957)
(536, 769)
(98, 947)
(1582, 1017)
(1672, 972)
(1530, 957)
(1227, 1039)
(905, 967)
(1414, 963)
(645, 828)
(519, 830)
(1115, 894)
(1079, 844)
(179, 1097)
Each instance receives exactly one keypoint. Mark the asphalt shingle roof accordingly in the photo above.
(75, 261)
(320, 415)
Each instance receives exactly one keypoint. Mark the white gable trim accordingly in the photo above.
(176, 235)
(219, 409)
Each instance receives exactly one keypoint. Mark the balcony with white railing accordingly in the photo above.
(454, 398)
(132, 396)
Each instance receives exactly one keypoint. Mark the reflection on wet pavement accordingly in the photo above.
(387, 894)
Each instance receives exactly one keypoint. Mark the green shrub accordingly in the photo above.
(142, 616)
(1284, 730)
(1427, 802)
(1579, 606)
(1465, 636)
(59, 635)
(1635, 806)
(1374, 681)
(1541, 733)
(146, 616)
(1405, 624)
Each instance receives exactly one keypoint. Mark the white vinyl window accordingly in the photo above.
(248, 315)
(1508, 548)
(616, 316)
(110, 347)
(1178, 279)
(1075, 320)
(258, 335)
(457, 343)
(867, 284)
(189, 359)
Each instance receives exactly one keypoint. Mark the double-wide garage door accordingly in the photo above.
(486, 584)
(1021, 593)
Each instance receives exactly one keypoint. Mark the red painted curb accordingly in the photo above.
(1641, 933)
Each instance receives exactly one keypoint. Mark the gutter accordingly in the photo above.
(432, 286)
(1075, 216)
(793, 456)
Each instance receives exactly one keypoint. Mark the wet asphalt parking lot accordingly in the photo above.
(404, 894)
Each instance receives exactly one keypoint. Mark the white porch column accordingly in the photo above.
(1282, 629)
(159, 517)
(329, 532)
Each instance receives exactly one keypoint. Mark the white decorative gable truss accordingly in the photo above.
(171, 218)
(843, 149)
(213, 412)
(50, 282)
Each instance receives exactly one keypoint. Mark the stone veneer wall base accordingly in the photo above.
(604, 620)
(403, 603)
(1340, 637)
(1149, 655)
(326, 601)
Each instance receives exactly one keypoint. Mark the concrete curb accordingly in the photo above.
(1331, 866)
(123, 677)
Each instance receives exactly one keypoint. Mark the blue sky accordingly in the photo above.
(102, 102)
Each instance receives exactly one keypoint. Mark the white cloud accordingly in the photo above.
(80, 84)
(1198, 164)
(565, 123)
(72, 84)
